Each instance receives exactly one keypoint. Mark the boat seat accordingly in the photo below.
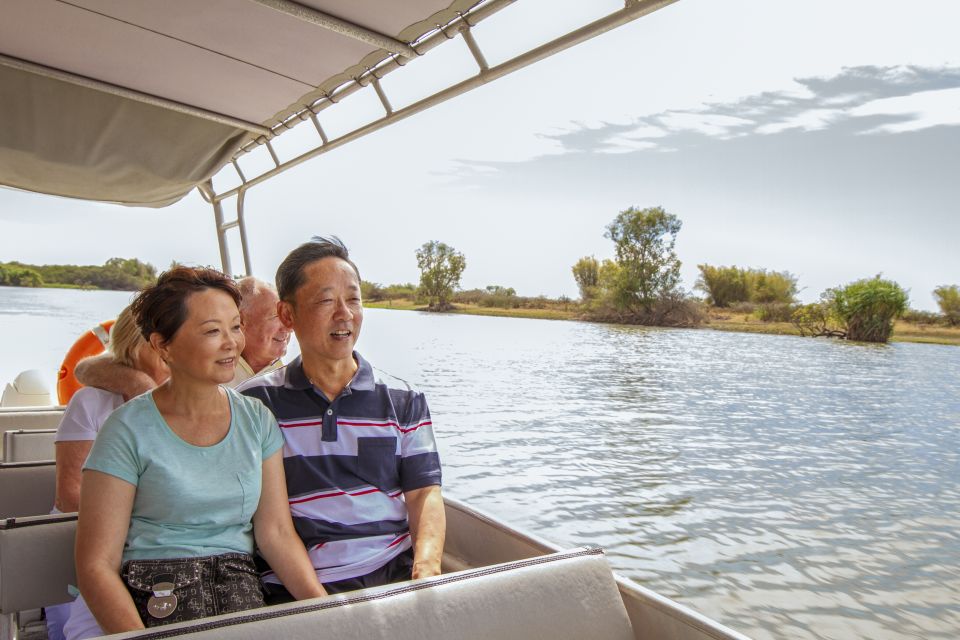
(36, 565)
(569, 595)
(29, 445)
(47, 418)
(27, 488)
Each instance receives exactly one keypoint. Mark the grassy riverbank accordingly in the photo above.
(717, 319)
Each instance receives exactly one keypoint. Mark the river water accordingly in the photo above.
(787, 487)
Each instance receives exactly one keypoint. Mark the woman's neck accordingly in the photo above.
(184, 397)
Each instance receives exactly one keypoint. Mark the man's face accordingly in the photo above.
(327, 311)
(266, 336)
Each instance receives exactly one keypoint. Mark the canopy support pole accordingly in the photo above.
(632, 10)
(222, 225)
(338, 25)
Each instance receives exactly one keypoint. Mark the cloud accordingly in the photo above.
(859, 100)
(921, 110)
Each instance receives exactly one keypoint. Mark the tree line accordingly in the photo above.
(641, 285)
(120, 274)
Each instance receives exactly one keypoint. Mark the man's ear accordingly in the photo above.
(285, 314)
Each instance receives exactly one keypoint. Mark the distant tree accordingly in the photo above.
(400, 291)
(13, 275)
(644, 241)
(867, 308)
(728, 285)
(497, 290)
(586, 273)
(440, 269)
(948, 298)
(768, 287)
(723, 285)
(370, 290)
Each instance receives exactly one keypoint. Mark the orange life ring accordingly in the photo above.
(91, 343)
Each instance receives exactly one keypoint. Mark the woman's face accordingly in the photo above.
(149, 361)
(206, 346)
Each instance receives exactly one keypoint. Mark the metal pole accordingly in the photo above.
(242, 224)
(380, 94)
(207, 190)
(431, 42)
(475, 49)
(616, 19)
(338, 25)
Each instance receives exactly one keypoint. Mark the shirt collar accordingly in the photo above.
(363, 379)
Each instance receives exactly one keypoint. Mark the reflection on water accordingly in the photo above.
(788, 487)
(791, 488)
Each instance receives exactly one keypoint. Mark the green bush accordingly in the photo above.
(13, 275)
(922, 317)
(370, 291)
(406, 291)
(775, 311)
(867, 308)
(948, 298)
(723, 285)
(726, 286)
(772, 287)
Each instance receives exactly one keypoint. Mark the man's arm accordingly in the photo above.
(102, 372)
(428, 528)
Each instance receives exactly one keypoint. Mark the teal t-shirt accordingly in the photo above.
(191, 501)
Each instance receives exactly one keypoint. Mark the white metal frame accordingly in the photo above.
(461, 26)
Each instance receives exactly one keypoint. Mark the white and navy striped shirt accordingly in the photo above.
(348, 464)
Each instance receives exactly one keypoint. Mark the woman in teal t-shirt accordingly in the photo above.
(183, 480)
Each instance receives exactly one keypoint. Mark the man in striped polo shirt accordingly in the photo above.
(362, 469)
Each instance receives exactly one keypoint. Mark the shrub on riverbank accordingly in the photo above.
(948, 298)
(725, 286)
(868, 308)
(775, 311)
(119, 274)
(864, 311)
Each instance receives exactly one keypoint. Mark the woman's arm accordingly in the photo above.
(276, 538)
(105, 373)
(105, 505)
(70, 457)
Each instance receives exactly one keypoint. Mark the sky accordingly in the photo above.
(818, 137)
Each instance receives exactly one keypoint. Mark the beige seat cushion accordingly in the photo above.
(29, 446)
(36, 561)
(565, 596)
(27, 488)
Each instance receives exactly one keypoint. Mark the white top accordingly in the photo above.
(243, 371)
(85, 413)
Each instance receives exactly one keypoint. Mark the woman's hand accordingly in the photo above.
(276, 537)
(105, 505)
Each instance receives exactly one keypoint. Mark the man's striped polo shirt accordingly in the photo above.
(349, 462)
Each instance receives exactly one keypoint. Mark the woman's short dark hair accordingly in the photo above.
(162, 308)
(290, 272)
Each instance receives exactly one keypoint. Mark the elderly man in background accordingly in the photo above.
(265, 343)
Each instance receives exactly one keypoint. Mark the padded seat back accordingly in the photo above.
(36, 561)
(29, 420)
(29, 446)
(565, 596)
(27, 488)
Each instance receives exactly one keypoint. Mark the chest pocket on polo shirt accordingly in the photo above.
(377, 462)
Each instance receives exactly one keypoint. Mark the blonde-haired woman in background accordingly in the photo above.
(89, 408)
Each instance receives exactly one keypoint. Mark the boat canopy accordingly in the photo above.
(138, 102)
